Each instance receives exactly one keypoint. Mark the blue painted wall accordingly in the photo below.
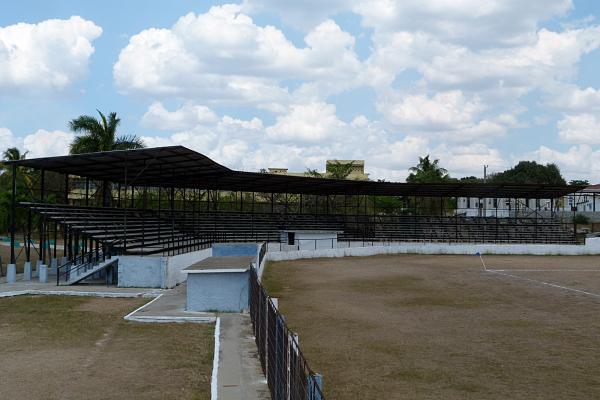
(225, 292)
(234, 249)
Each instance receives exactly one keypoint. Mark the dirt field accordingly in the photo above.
(81, 348)
(439, 327)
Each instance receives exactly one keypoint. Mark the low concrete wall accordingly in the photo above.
(144, 272)
(592, 247)
(157, 271)
(224, 292)
(233, 249)
(176, 263)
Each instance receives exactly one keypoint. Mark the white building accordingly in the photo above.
(586, 200)
(500, 207)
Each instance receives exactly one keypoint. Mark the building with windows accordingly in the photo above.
(357, 172)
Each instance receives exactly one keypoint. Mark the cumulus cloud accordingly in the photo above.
(186, 117)
(7, 139)
(43, 143)
(580, 128)
(313, 122)
(473, 22)
(576, 162)
(222, 55)
(50, 55)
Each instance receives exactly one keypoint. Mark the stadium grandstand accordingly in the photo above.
(172, 200)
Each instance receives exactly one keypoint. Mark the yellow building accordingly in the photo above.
(357, 171)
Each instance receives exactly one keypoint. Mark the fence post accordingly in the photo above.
(315, 387)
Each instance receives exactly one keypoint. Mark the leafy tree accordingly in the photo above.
(580, 182)
(427, 171)
(100, 135)
(530, 172)
(339, 170)
(313, 173)
(470, 179)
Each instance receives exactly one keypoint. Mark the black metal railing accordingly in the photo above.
(287, 372)
(69, 271)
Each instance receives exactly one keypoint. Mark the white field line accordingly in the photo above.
(75, 293)
(215, 371)
(499, 272)
(128, 316)
(546, 270)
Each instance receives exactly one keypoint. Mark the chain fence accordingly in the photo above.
(288, 375)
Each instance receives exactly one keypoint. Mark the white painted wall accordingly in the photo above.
(592, 247)
(176, 263)
(157, 271)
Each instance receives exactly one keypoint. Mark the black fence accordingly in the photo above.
(288, 375)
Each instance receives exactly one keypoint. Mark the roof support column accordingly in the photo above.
(87, 191)
(13, 210)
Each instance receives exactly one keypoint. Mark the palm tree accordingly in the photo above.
(100, 135)
(427, 171)
(13, 154)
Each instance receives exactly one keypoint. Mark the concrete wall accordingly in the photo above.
(137, 271)
(233, 249)
(592, 247)
(176, 263)
(225, 292)
(157, 271)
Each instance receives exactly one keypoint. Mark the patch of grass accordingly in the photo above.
(401, 282)
(514, 323)
(439, 300)
(98, 354)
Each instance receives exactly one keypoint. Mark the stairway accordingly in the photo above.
(83, 267)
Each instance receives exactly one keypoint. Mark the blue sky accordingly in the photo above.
(266, 83)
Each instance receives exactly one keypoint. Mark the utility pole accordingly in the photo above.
(485, 167)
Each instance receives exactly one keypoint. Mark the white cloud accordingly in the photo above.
(299, 14)
(577, 162)
(474, 22)
(222, 55)
(7, 139)
(50, 55)
(314, 122)
(444, 110)
(43, 143)
(580, 128)
(186, 117)
(467, 160)
(573, 98)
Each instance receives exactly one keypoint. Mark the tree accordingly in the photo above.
(530, 172)
(339, 170)
(579, 182)
(427, 171)
(13, 154)
(313, 173)
(100, 135)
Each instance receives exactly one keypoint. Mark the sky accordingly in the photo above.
(273, 83)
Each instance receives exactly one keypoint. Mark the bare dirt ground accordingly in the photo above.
(439, 327)
(81, 348)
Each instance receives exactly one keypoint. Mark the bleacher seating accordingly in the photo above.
(149, 231)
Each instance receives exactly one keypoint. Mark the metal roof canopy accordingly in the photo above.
(178, 166)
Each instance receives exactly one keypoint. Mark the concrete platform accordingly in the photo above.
(169, 306)
(225, 263)
(240, 376)
(36, 288)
